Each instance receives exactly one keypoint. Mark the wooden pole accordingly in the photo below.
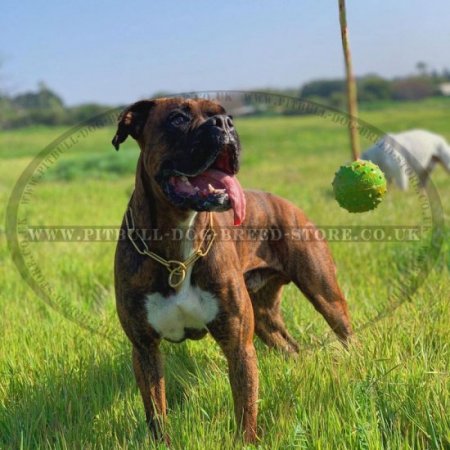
(350, 81)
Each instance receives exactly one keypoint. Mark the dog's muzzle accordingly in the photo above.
(201, 175)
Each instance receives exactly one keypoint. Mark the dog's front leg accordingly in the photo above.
(234, 334)
(148, 370)
(243, 373)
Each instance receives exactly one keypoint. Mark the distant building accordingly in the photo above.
(444, 88)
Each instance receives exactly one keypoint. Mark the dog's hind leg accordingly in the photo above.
(269, 323)
(443, 156)
(312, 269)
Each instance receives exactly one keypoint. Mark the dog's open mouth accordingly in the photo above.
(214, 189)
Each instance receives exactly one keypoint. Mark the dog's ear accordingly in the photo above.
(131, 121)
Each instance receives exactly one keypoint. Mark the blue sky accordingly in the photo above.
(116, 52)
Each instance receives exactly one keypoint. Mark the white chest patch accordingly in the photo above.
(189, 308)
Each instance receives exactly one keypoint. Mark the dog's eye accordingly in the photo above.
(179, 120)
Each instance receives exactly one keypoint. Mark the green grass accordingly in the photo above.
(64, 387)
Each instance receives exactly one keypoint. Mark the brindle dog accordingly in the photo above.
(186, 171)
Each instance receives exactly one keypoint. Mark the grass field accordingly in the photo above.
(62, 386)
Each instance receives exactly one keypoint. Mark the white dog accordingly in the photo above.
(419, 150)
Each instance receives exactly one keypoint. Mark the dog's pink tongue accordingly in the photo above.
(234, 190)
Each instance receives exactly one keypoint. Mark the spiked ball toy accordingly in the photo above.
(359, 186)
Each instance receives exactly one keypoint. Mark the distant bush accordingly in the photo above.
(81, 113)
(373, 87)
(322, 88)
(413, 88)
(333, 92)
(43, 107)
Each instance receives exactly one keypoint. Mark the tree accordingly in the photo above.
(446, 74)
(44, 98)
(373, 87)
(422, 68)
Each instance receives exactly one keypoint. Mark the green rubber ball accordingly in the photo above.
(359, 186)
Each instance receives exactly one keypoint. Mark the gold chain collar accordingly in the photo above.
(177, 269)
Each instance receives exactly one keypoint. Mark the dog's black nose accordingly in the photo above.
(222, 121)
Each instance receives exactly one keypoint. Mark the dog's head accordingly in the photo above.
(190, 149)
